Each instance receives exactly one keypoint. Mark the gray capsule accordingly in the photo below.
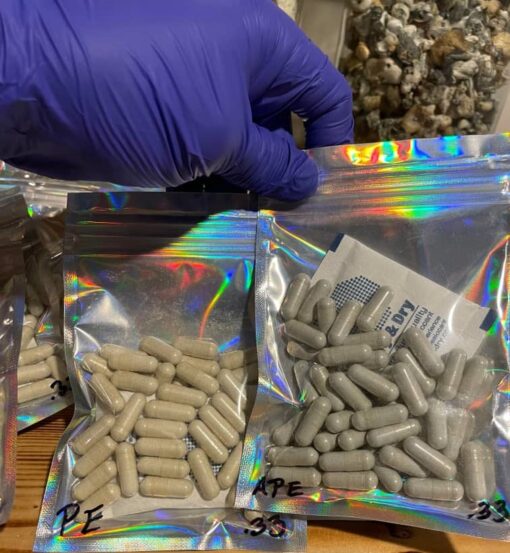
(394, 433)
(344, 323)
(155, 486)
(389, 478)
(160, 428)
(208, 441)
(319, 376)
(473, 380)
(436, 423)
(97, 454)
(219, 426)
(165, 372)
(35, 355)
(337, 422)
(295, 296)
(308, 477)
(107, 393)
(348, 440)
(410, 391)
(305, 334)
(233, 388)
(84, 441)
(374, 309)
(207, 484)
(181, 395)
(282, 435)
(167, 410)
(396, 459)
(229, 410)
(96, 479)
(203, 349)
(107, 350)
(430, 458)
(449, 381)
(196, 378)
(349, 392)
(473, 458)
(324, 442)
(307, 392)
(133, 361)
(403, 355)
(211, 367)
(321, 289)
(326, 313)
(126, 421)
(167, 468)
(289, 456)
(373, 383)
(300, 352)
(362, 480)
(434, 489)
(238, 358)
(344, 355)
(376, 339)
(160, 349)
(458, 422)
(424, 352)
(92, 363)
(312, 421)
(160, 447)
(347, 461)
(31, 373)
(229, 472)
(490, 471)
(379, 359)
(134, 382)
(126, 467)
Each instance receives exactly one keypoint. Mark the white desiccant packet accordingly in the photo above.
(447, 319)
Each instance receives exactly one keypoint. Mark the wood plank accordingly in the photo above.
(35, 451)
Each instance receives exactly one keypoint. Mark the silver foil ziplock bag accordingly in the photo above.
(158, 297)
(401, 417)
(13, 219)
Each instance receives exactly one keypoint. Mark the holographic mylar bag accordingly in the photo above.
(142, 269)
(430, 211)
(13, 219)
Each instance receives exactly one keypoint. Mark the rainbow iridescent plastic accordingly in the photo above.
(13, 222)
(439, 207)
(153, 264)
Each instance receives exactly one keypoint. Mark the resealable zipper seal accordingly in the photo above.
(165, 264)
(439, 207)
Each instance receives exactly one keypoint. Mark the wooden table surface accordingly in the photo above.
(35, 450)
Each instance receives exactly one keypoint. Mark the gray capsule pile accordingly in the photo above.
(403, 423)
(39, 366)
(159, 402)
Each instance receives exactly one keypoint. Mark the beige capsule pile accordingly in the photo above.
(140, 445)
(39, 366)
(406, 426)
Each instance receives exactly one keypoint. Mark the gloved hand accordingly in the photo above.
(160, 92)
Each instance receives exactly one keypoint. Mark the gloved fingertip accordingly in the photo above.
(303, 182)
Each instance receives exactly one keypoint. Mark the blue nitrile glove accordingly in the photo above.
(160, 92)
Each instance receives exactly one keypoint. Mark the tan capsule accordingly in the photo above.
(349, 392)
(373, 383)
(374, 309)
(181, 395)
(326, 314)
(134, 382)
(349, 440)
(396, 459)
(35, 355)
(212, 368)
(36, 390)
(377, 417)
(155, 486)
(344, 322)
(160, 350)
(96, 479)
(127, 419)
(206, 440)
(424, 351)
(234, 389)
(229, 410)
(167, 468)
(321, 289)
(312, 421)
(240, 374)
(431, 459)
(126, 467)
(207, 485)
(308, 477)
(229, 472)
(27, 333)
(57, 367)
(360, 480)
(97, 454)
(324, 442)
(282, 435)
(376, 339)
(295, 296)
(319, 376)
(107, 393)
(165, 372)
(84, 441)
(437, 427)
(389, 478)
(104, 496)
(219, 426)
(92, 363)
(403, 355)
(160, 447)
(300, 352)
(107, 350)
(347, 461)
(203, 349)
(305, 334)
(31, 373)
(394, 433)
(158, 428)
(292, 456)
(379, 359)
(239, 358)
(410, 390)
(30, 321)
(133, 361)
(449, 382)
(197, 378)
(158, 409)
(344, 355)
(434, 489)
(337, 422)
